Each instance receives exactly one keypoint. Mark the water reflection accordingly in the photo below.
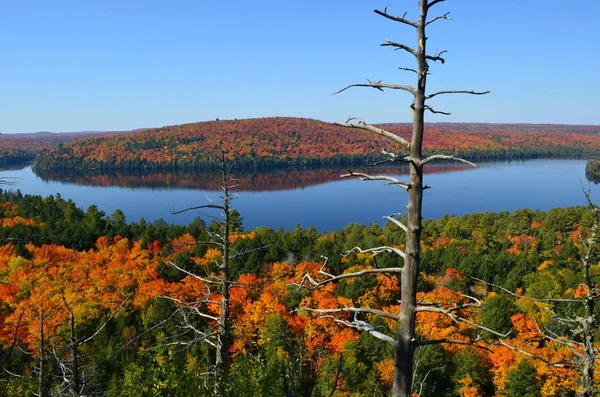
(249, 181)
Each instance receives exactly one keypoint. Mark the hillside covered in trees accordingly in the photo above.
(296, 141)
(592, 171)
(19, 148)
(96, 304)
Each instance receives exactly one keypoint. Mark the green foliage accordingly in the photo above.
(523, 381)
(433, 374)
(496, 312)
(468, 362)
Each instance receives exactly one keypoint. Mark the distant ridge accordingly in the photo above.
(279, 141)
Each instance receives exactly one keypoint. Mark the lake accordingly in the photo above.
(318, 197)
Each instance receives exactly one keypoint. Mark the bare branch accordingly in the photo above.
(376, 251)
(446, 157)
(352, 310)
(458, 319)
(396, 157)
(399, 46)
(364, 326)
(456, 92)
(396, 222)
(409, 70)
(380, 86)
(473, 342)
(213, 206)
(204, 280)
(364, 126)
(366, 177)
(437, 57)
(434, 2)
(86, 340)
(559, 364)
(401, 19)
(444, 16)
(191, 307)
(432, 110)
(331, 278)
(528, 297)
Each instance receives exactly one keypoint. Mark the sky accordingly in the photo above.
(126, 64)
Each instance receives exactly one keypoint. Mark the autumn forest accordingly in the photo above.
(485, 304)
(85, 284)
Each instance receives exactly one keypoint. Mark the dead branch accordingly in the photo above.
(360, 325)
(434, 2)
(409, 70)
(364, 126)
(199, 207)
(528, 297)
(456, 92)
(446, 157)
(437, 57)
(396, 222)
(204, 280)
(375, 251)
(396, 157)
(366, 177)
(432, 110)
(444, 16)
(473, 343)
(401, 19)
(86, 340)
(352, 310)
(331, 278)
(458, 319)
(559, 364)
(399, 46)
(379, 86)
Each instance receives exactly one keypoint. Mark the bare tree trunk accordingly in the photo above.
(76, 383)
(42, 386)
(222, 359)
(403, 373)
(589, 322)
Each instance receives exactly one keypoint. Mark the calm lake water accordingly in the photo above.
(318, 198)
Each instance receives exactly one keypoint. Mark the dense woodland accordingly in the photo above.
(277, 141)
(592, 171)
(89, 299)
(19, 148)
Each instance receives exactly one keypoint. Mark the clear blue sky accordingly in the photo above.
(115, 65)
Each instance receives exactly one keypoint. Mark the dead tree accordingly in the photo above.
(409, 259)
(71, 370)
(582, 324)
(217, 332)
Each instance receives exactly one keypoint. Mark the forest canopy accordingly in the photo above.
(277, 141)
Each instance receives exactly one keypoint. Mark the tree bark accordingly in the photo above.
(222, 359)
(403, 372)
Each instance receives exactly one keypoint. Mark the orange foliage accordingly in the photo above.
(468, 388)
(522, 244)
(385, 369)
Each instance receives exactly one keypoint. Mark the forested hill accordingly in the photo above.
(298, 141)
(19, 148)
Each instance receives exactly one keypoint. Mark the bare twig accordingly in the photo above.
(444, 16)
